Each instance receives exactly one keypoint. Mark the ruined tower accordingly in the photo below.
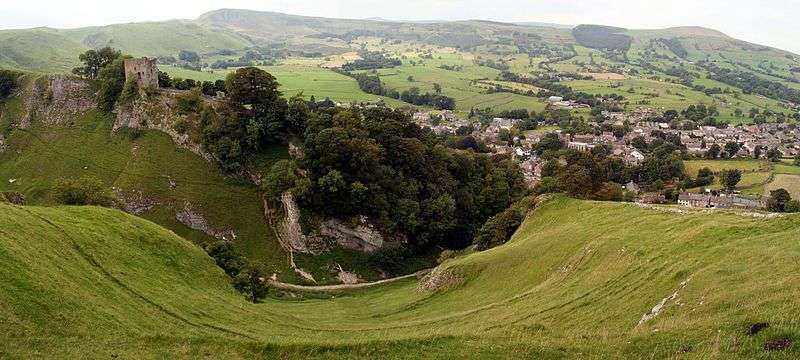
(143, 71)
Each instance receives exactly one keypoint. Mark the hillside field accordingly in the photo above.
(574, 282)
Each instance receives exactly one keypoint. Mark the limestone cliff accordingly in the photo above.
(158, 112)
(54, 99)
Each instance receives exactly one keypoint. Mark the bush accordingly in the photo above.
(499, 228)
(792, 206)
(226, 257)
(84, 191)
(8, 82)
(252, 284)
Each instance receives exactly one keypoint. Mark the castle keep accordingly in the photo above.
(143, 71)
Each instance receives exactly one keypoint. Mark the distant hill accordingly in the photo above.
(45, 49)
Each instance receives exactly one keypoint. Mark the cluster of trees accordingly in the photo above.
(781, 201)
(371, 60)
(371, 84)
(252, 116)
(582, 174)
(751, 83)
(378, 163)
(209, 88)
(704, 177)
(552, 87)
(436, 100)
(451, 67)
(497, 65)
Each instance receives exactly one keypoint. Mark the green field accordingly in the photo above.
(785, 181)
(573, 283)
(307, 79)
(746, 166)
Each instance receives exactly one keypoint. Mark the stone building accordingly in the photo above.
(143, 71)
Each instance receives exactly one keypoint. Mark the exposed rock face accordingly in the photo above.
(158, 112)
(362, 238)
(195, 221)
(2, 143)
(292, 232)
(55, 99)
(134, 202)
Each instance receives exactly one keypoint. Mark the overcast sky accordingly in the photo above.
(773, 22)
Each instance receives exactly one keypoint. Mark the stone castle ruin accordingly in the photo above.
(143, 71)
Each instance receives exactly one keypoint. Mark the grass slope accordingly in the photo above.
(573, 283)
(38, 157)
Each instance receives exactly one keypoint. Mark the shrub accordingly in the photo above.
(499, 228)
(8, 82)
(84, 191)
(792, 206)
(252, 284)
(226, 257)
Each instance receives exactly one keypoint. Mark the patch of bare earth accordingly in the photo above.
(439, 279)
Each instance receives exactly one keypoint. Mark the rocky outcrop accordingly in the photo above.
(158, 112)
(55, 99)
(361, 238)
(195, 221)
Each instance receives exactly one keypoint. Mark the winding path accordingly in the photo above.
(330, 288)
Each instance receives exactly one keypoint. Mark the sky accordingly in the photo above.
(774, 22)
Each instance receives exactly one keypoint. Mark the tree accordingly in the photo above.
(252, 283)
(437, 88)
(112, 82)
(757, 152)
(261, 111)
(189, 56)
(94, 61)
(226, 257)
(549, 141)
(164, 80)
(730, 178)
(778, 200)
(732, 148)
(797, 160)
(774, 155)
(713, 151)
(281, 178)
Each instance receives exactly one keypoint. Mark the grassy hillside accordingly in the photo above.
(574, 282)
(139, 163)
(38, 50)
(158, 38)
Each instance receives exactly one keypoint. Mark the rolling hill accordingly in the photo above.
(578, 280)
